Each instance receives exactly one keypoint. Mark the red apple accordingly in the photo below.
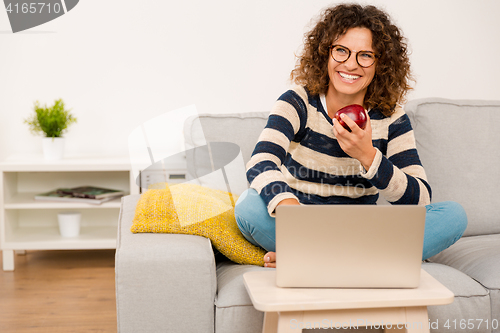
(355, 112)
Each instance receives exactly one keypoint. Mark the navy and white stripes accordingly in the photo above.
(298, 156)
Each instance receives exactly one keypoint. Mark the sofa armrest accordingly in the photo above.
(164, 282)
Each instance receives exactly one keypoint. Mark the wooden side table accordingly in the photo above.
(294, 309)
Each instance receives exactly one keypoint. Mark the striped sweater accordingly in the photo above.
(297, 156)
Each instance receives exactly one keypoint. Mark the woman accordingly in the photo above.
(354, 55)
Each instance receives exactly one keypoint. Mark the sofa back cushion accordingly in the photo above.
(240, 130)
(459, 145)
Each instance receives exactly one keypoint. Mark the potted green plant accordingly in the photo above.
(52, 122)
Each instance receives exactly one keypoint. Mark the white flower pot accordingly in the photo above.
(69, 224)
(53, 148)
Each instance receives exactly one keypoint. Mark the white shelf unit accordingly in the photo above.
(29, 224)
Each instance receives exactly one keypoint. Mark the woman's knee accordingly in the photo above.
(250, 210)
(453, 214)
(253, 220)
(445, 224)
(458, 216)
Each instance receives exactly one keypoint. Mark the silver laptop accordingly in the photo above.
(349, 246)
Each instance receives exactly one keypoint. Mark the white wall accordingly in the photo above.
(118, 63)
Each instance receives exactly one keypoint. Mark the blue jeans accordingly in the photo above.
(445, 222)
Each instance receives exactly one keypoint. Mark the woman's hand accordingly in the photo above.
(358, 142)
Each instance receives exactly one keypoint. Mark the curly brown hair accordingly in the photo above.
(392, 73)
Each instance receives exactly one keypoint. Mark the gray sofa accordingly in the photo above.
(175, 283)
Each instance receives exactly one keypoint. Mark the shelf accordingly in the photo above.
(37, 163)
(29, 224)
(50, 239)
(27, 201)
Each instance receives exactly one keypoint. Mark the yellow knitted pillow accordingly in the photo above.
(196, 210)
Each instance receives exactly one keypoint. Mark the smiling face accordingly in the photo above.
(349, 81)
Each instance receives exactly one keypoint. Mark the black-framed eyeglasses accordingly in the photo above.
(342, 53)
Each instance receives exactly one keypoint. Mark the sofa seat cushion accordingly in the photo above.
(479, 258)
(458, 282)
(234, 311)
(196, 210)
(231, 290)
(476, 256)
(472, 301)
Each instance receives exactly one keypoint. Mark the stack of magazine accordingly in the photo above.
(88, 194)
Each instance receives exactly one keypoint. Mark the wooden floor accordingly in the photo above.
(59, 291)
